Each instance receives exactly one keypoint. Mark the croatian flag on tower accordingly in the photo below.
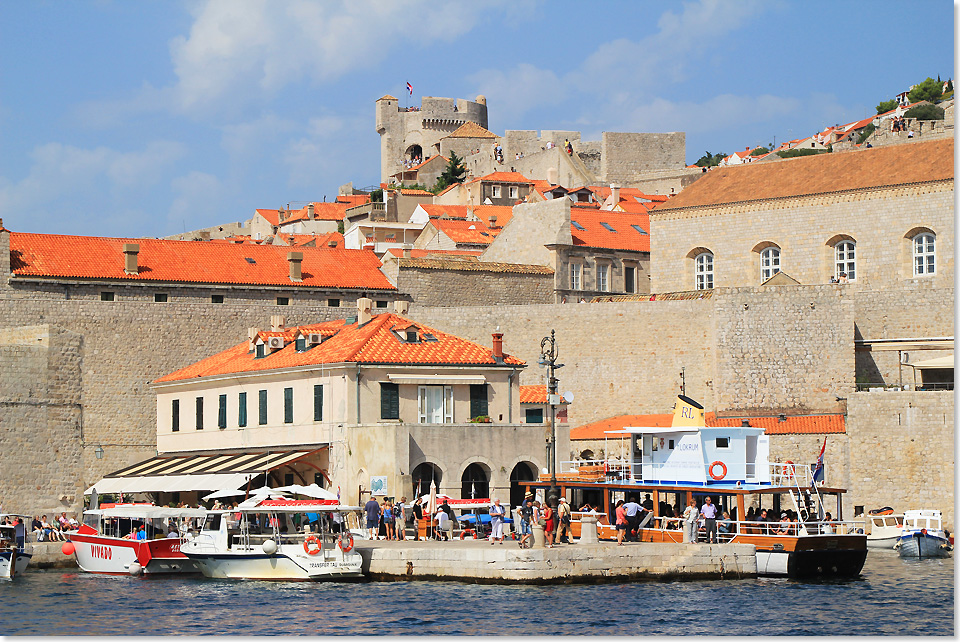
(818, 471)
(410, 88)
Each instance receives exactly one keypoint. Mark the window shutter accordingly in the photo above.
(318, 403)
(288, 405)
(242, 411)
(389, 401)
(222, 413)
(478, 401)
(263, 407)
(175, 418)
(422, 398)
(199, 413)
(448, 404)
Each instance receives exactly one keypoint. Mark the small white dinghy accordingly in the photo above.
(923, 535)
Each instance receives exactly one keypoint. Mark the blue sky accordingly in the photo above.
(146, 118)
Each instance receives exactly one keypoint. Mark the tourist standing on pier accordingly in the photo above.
(632, 510)
(372, 509)
(690, 516)
(622, 524)
(496, 513)
(709, 512)
(388, 520)
(549, 524)
(417, 517)
(400, 515)
(563, 513)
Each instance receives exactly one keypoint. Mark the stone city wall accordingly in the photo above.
(433, 287)
(626, 155)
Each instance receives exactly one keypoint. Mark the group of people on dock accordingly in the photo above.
(40, 528)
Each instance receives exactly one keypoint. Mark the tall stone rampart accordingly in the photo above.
(626, 156)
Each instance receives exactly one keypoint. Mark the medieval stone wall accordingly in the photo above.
(626, 156)
(432, 287)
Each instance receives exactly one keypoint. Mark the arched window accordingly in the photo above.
(769, 262)
(846, 260)
(924, 257)
(704, 271)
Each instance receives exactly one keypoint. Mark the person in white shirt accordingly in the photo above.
(442, 520)
(690, 516)
(496, 521)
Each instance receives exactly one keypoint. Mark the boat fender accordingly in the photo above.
(309, 550)
(723, 469)
(68, 548)
(464, 532)
(134, 568)
(346, 542)
(269, 547)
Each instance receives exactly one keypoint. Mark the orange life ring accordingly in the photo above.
(472, 532)
(789, 469)
(306, 545)
(723, 467)
(346, 542)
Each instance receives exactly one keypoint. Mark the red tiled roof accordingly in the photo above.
(483, 212)
(460, 231)
(415, 192)
(448, 189)
(90, 257)
(594, 234)
(813, 424)
(239, 240)
(312, 240)
(420, 254)
(504, 177)
(374, 342)
(353, 199)
(321, 211)
(471, 130)
(533, 394)
(272, 216)
(431, 159)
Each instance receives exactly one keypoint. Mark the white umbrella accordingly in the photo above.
(313, 490)
(432, 502)
(225, 493)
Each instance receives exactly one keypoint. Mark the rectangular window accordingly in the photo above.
(382, 304)
(263, 407)
(578, 226)
(514, 192)
(603, 277)
(242, 411)
(436, 404)
(496, 191)
(723, 442)
(670, 445)
(301, 344)
(288, 405)
(216, 298)
(575, 271)
(261, 351)
(534, 415)
(199, 413)
(318, 403)
(175, 416)
(160, 297)
(629, 279)
(478, 401)
(222, 413)
(389, 401)
(107, 296)
(333, 303)
(283, 300)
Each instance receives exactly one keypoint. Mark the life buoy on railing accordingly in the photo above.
(310, 550)
(723, 468)
(464, 532)
(789, 469)
(346, 542)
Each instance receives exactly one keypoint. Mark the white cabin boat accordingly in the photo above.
(107, 540)
(923, 535)
(257, 541)
(14, 557)
(885, 528)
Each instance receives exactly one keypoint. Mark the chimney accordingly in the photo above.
(401, 307)
(363, 310)
(407, 250)
(278, 323)
(470, 215)
(498, 346)
(615, 192)
(295, 259)
(493, 221)
(252, 338)
(130, 253)
(310, 211)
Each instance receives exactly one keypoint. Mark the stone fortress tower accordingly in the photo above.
(415, 132)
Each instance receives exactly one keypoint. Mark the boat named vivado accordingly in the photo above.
(689, 461)
(14, 559)
(923, 535)
(105, 542)
(257, 541)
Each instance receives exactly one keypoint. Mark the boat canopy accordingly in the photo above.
(148, 512)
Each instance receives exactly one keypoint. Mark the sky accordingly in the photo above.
(153, 117)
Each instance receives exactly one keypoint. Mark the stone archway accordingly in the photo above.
(475, 482)
(524, 471)
(423, 475)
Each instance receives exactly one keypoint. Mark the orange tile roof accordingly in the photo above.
(415, 192)
(460, 231)
(272, 216)
(353, 199)
(455, 185)
(386, 97)
(471, 130)
(430, 160)
(811, 424)
(321, 211)
(632, 193)
(373, 343)
(594, 234)
(91, 257)
(483, 212)
(313, 240)
(239, 239)
(420, 254)
(503, 177)
(533, 394)
(868, 168)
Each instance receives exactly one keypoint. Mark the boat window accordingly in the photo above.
(671, 444)
(723, 442)
(212, 523)
(92, 520)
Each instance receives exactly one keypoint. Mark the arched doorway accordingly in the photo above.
(475, 482)
(414, 152)
(522, 472)
(424, 475)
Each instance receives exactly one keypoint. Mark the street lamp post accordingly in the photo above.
(548, 358)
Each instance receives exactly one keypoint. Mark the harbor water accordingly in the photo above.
(892, 597)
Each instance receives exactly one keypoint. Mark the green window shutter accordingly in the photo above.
(318, 403)
(199, 413)
(175, 416)
(242, 411)
(288, 405)
(222, 413)
(478, 401)
(534, 415)
(389, 401)
(301, 344)
(263, 407)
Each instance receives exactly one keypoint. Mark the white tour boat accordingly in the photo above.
(885, 528)
(14, 559)
(923, 535)
(107, 542)
(257, 541)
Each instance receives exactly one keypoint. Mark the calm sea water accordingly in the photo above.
(893, 597)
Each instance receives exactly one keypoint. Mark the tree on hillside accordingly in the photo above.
(886, 106)
(949, 87)
(759, 151)
(454, 172)
(925, 112)
(865, 133)
(929, 89)
(710, 160)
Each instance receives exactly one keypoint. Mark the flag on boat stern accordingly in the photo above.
(818, 471)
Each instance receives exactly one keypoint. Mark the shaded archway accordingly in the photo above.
(475, 482)
(522, 472)
(423, 475)
(414, 152)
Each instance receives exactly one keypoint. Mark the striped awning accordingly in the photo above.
(178, 473)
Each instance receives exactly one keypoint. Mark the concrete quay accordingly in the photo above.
(48, 555)
(478, 561)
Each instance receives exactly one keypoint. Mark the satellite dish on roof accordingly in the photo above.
(568, 396)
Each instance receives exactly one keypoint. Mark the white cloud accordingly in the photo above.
(197, 201)
(329, 152)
